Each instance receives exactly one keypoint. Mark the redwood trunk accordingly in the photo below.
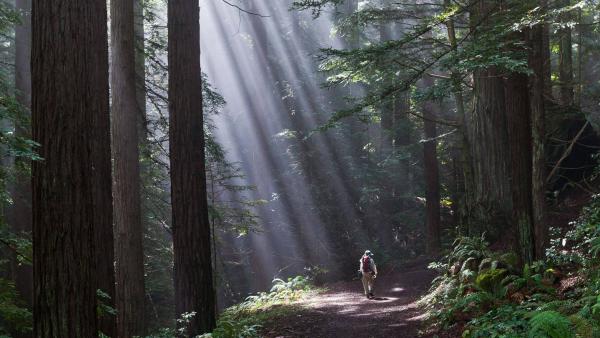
(488, 136)
(544, 57)
(129, 256)
(537, 87)
(72, 207)
(387, 108)
(465, 177)
(565, 61)
(191, 227)
(489, 148)
(402, 135)
(519, 127)
(432, 179)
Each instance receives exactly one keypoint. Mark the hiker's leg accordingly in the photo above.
(365, 283)
(371, 281)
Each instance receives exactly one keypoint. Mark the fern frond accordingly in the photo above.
(550, 324)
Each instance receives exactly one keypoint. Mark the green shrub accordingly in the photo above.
(244, 320)
(491, 280)
(550, 324)
(506, 321)
(15, 316)
(482, 290)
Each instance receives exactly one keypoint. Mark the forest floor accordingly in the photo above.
(343, 311)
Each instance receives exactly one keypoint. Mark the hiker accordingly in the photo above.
(368, 269)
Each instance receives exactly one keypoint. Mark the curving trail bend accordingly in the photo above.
(343, 311)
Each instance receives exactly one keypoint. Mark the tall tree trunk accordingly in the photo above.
(72, 206)
(565, 61)
(537, 88)
(432, 177)
(489, 149)
(545, 57)
(191, 228)
(390, 199)
(387, 109)
(492, 200)
(519, 132)
(580, 33)
(464, 195)
(129, 255)
(20, 213)
(402, 135)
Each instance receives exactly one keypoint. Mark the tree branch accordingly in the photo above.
(567, 151)
(244, 10)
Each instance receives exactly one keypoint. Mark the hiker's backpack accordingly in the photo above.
(366, 264)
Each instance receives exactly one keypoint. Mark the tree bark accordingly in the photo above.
(537, 88)
(519, 132)
(402, 134)
(545, 57)
(432, 177)
(492, 200)
(129, 255)
(191, 227)
(72, 206)
(489, 149)
(465, 200)
(580, 54)
(387, 108)
(565, 61)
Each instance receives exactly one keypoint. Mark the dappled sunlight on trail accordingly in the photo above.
(343, 311)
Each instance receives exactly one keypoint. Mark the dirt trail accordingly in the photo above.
(343, 311)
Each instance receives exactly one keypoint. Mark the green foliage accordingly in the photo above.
(581, 244)
(230, 327)
(15, 316)
(550, 324)
(244, 320)
(482, 290)
(18, 243)
(316, 6)
(265, 305)
(505, 321)
(281, 292)
(163, 333)
(16, 151)
(473, 280)
(491, 280)
(584, 327)
(104, 307)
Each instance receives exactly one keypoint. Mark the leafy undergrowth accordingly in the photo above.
(481, 293)
(244, 320)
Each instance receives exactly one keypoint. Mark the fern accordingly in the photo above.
(563, 306)
(473, 302)
(550, 324)
(583, 326)
(491, 281)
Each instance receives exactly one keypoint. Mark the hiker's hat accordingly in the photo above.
(368, 253)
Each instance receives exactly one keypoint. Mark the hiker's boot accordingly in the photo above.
(371, 295)
(368, 295)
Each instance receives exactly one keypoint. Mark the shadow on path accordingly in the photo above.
(343, 311)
